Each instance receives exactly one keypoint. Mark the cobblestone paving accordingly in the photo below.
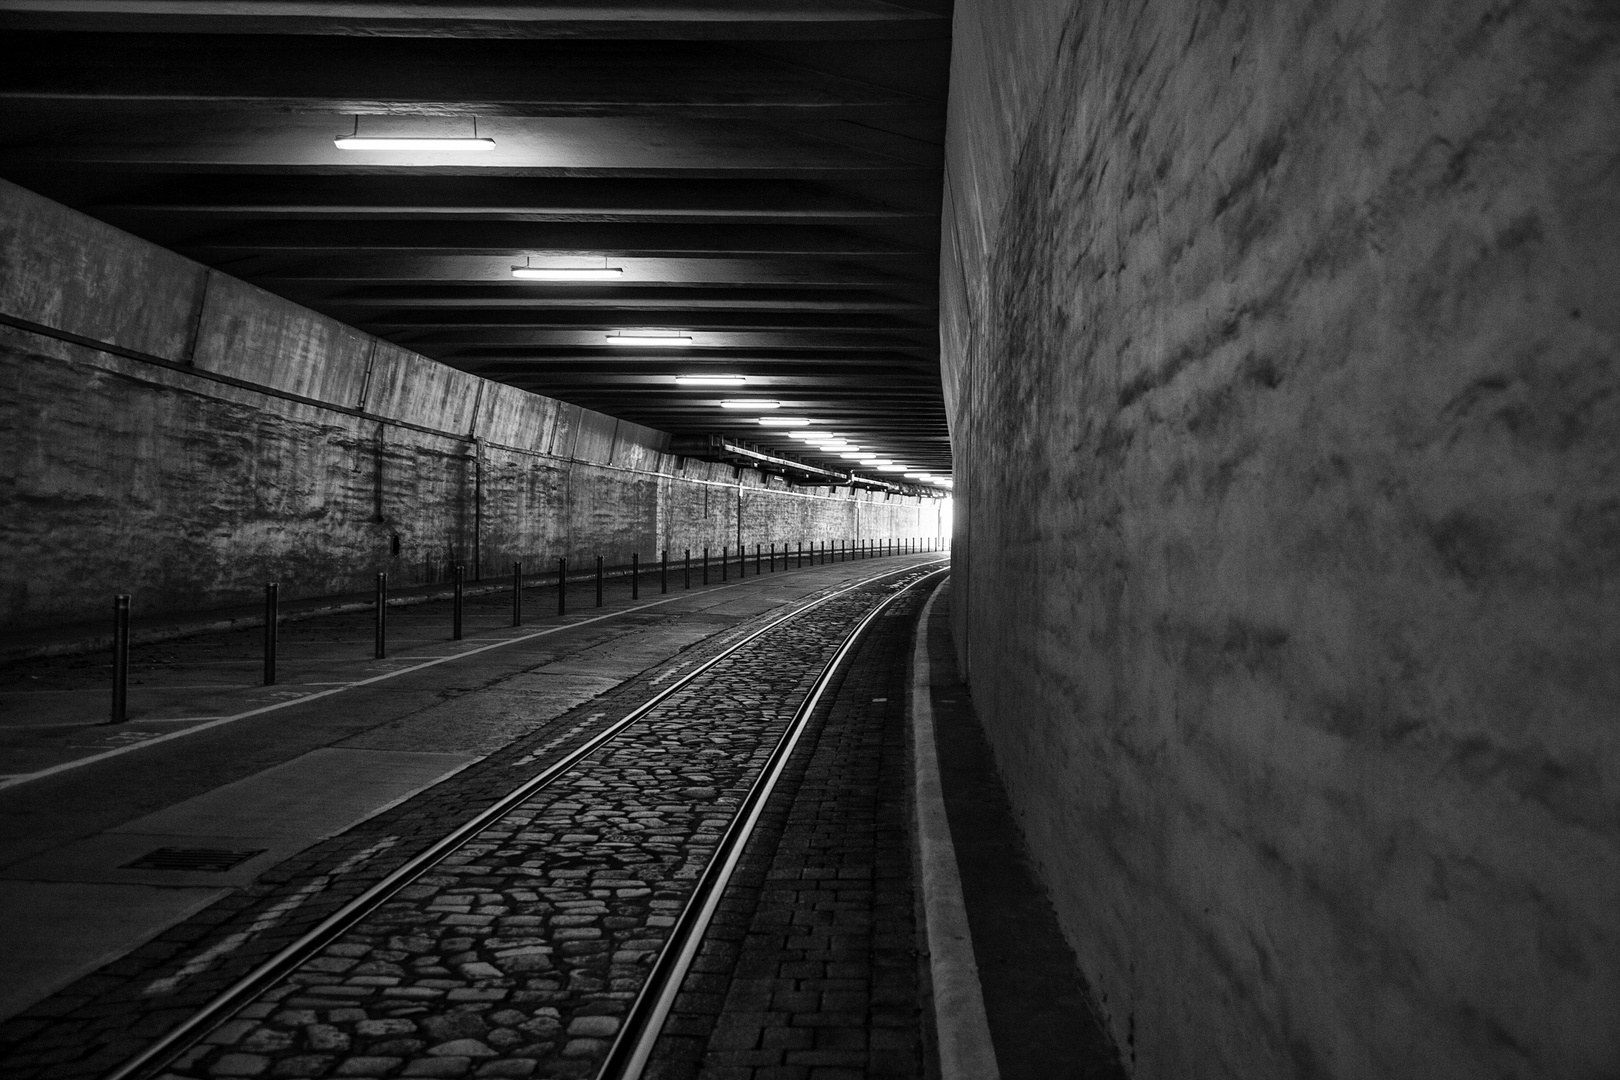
(811, 968)
(515, 957)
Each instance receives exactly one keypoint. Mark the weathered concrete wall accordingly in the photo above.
(257, 440)
(1282, 343)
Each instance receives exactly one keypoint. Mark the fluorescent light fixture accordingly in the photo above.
(851, 455)
(809, 436)
(568, 273)
(893, 468)
(369, 142)
(751, 404)
(643, 339)
(710, 380)
(784, 421)
(919, 476)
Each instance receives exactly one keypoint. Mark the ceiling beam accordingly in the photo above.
(599, 19)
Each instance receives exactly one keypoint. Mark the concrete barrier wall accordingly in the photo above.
(174, 433)
(1281, 342)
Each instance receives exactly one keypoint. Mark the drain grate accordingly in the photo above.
(207, 860)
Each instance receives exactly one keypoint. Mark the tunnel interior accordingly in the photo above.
(1250, 371)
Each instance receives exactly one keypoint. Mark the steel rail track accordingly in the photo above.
(191, 1030)
(645, 1021)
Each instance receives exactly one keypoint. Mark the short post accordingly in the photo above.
(725, 562)
(773, 558)
(120, 687)
(382, 615)
(599, 581)
(758, 560)
(688, 566)
(663, 571)
(271, 629)
(801, 555)
(705, 566)
(517, 594)
(635, 576)
(455, 616)
(562, 585)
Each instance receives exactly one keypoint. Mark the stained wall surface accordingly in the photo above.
(174, 433)
(1281, 347)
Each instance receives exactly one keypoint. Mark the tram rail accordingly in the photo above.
(640, 1026)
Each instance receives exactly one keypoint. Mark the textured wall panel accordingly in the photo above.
(1288, 419)
(63, 269)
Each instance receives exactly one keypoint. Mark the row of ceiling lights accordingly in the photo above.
(826, 442)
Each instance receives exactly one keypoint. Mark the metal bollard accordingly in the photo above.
(635, 576)
(562, 585)
(120, 687)
(758, 560)
(773, 558)
(455, 617)
(801, 555)
(725, 562)
(663, 571)
(381, 650)
(272, 629)
(688, 565)
(705, 566)
(517, 594)
(599, 581)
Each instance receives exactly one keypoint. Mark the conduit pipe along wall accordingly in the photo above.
(172, 432)
(1283, 341)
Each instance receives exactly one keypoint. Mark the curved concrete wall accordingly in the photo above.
(172, 432)
(1281, 344)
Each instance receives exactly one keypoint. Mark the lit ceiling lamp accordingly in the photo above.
(751, 404)
(892, 468)
(645, 338)
(783, 421)
(919, 476)
(710, 380)
(357, 141)
(568, 273)
(852, 455)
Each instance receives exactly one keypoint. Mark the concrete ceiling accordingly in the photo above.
(767, 174)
